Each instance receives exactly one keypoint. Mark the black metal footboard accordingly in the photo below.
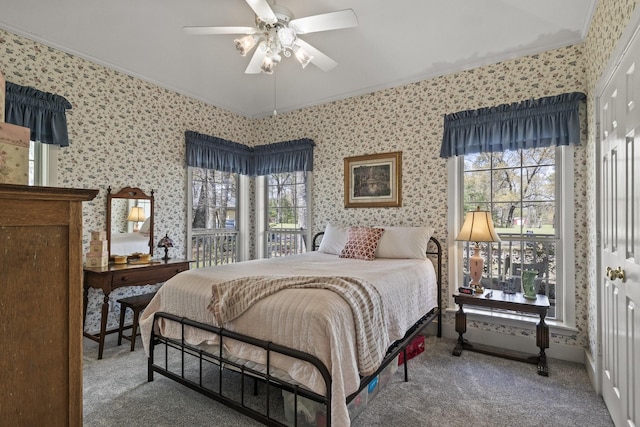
(221, 363)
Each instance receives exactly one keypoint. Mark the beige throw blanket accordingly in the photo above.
(231, 298)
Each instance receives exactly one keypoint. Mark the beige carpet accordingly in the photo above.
(443, 390)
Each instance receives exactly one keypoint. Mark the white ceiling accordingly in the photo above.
(396, 42)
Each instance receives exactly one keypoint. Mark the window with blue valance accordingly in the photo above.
(543, 122)
(42, 112)
(210, 152)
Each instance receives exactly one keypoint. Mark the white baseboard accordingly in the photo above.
(516, 343)
(590, 365)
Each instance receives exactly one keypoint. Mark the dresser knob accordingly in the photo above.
(124, 278)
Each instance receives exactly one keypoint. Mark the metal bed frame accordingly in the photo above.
(225, 366)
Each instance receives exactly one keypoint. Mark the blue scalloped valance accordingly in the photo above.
(543, 122)
(210, 152)
(42, 112)
(287, 156)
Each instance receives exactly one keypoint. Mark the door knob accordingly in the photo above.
(616, 274)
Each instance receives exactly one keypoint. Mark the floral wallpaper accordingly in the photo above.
(127, 132)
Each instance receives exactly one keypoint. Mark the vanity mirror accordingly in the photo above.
(129, 222)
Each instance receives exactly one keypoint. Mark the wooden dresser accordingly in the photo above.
(41, 305)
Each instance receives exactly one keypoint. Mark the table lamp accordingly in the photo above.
(165, 243)
(136, 215)
(477, 227)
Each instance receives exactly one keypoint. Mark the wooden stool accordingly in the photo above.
(136, 304)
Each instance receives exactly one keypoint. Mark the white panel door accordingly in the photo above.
(620, 229)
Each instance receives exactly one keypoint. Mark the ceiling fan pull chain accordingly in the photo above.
(275, 111)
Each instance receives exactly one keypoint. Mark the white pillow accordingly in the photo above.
(334, 239)
(404, 242)
(145, 226)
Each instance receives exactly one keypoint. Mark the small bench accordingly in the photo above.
(136, 304)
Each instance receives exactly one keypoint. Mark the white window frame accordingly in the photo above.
(565, 261)
(262, 214)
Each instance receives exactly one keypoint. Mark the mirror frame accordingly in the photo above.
(130, 193)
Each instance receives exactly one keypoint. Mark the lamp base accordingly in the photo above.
(166, 256)
(476, 267)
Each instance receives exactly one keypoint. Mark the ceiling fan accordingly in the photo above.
(276, 35)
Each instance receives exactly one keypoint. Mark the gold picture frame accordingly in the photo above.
(373, 180)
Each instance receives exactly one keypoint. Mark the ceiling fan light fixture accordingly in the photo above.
(302, 56)
(287, 37)
(245, 44)
(267, 65)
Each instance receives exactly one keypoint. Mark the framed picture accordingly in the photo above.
(373, 181)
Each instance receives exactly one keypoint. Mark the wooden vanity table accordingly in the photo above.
(119, 275)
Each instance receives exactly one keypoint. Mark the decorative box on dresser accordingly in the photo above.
(41, 305)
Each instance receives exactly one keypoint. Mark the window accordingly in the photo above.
(213, 217)
(42, 163)
(288, 215)
(522, 190)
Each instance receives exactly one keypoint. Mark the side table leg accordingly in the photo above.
(542, 341)
(461, 328)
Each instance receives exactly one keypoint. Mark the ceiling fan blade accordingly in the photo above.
(326, 21)
(256, 60)
(263, 10)
(218, 30)
(319, 59)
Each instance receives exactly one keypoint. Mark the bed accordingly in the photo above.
(333, 328)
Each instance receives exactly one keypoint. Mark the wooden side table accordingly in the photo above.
(513, 302)
(117, 276)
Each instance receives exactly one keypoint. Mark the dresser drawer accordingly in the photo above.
(150, 274)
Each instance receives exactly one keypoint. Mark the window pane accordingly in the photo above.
(506, 185)
(503, 216)
(477, 188)
(507, 159)
(540, 217)
(214, 199)
(539, 183)
(539, 156)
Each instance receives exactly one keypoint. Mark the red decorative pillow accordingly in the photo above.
(362, 243)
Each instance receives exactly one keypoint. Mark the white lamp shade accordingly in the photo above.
(136, 214)
(478, 227)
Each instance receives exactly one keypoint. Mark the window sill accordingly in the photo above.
(513, 319)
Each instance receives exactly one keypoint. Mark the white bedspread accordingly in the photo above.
(316, 321)
(129, 243)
